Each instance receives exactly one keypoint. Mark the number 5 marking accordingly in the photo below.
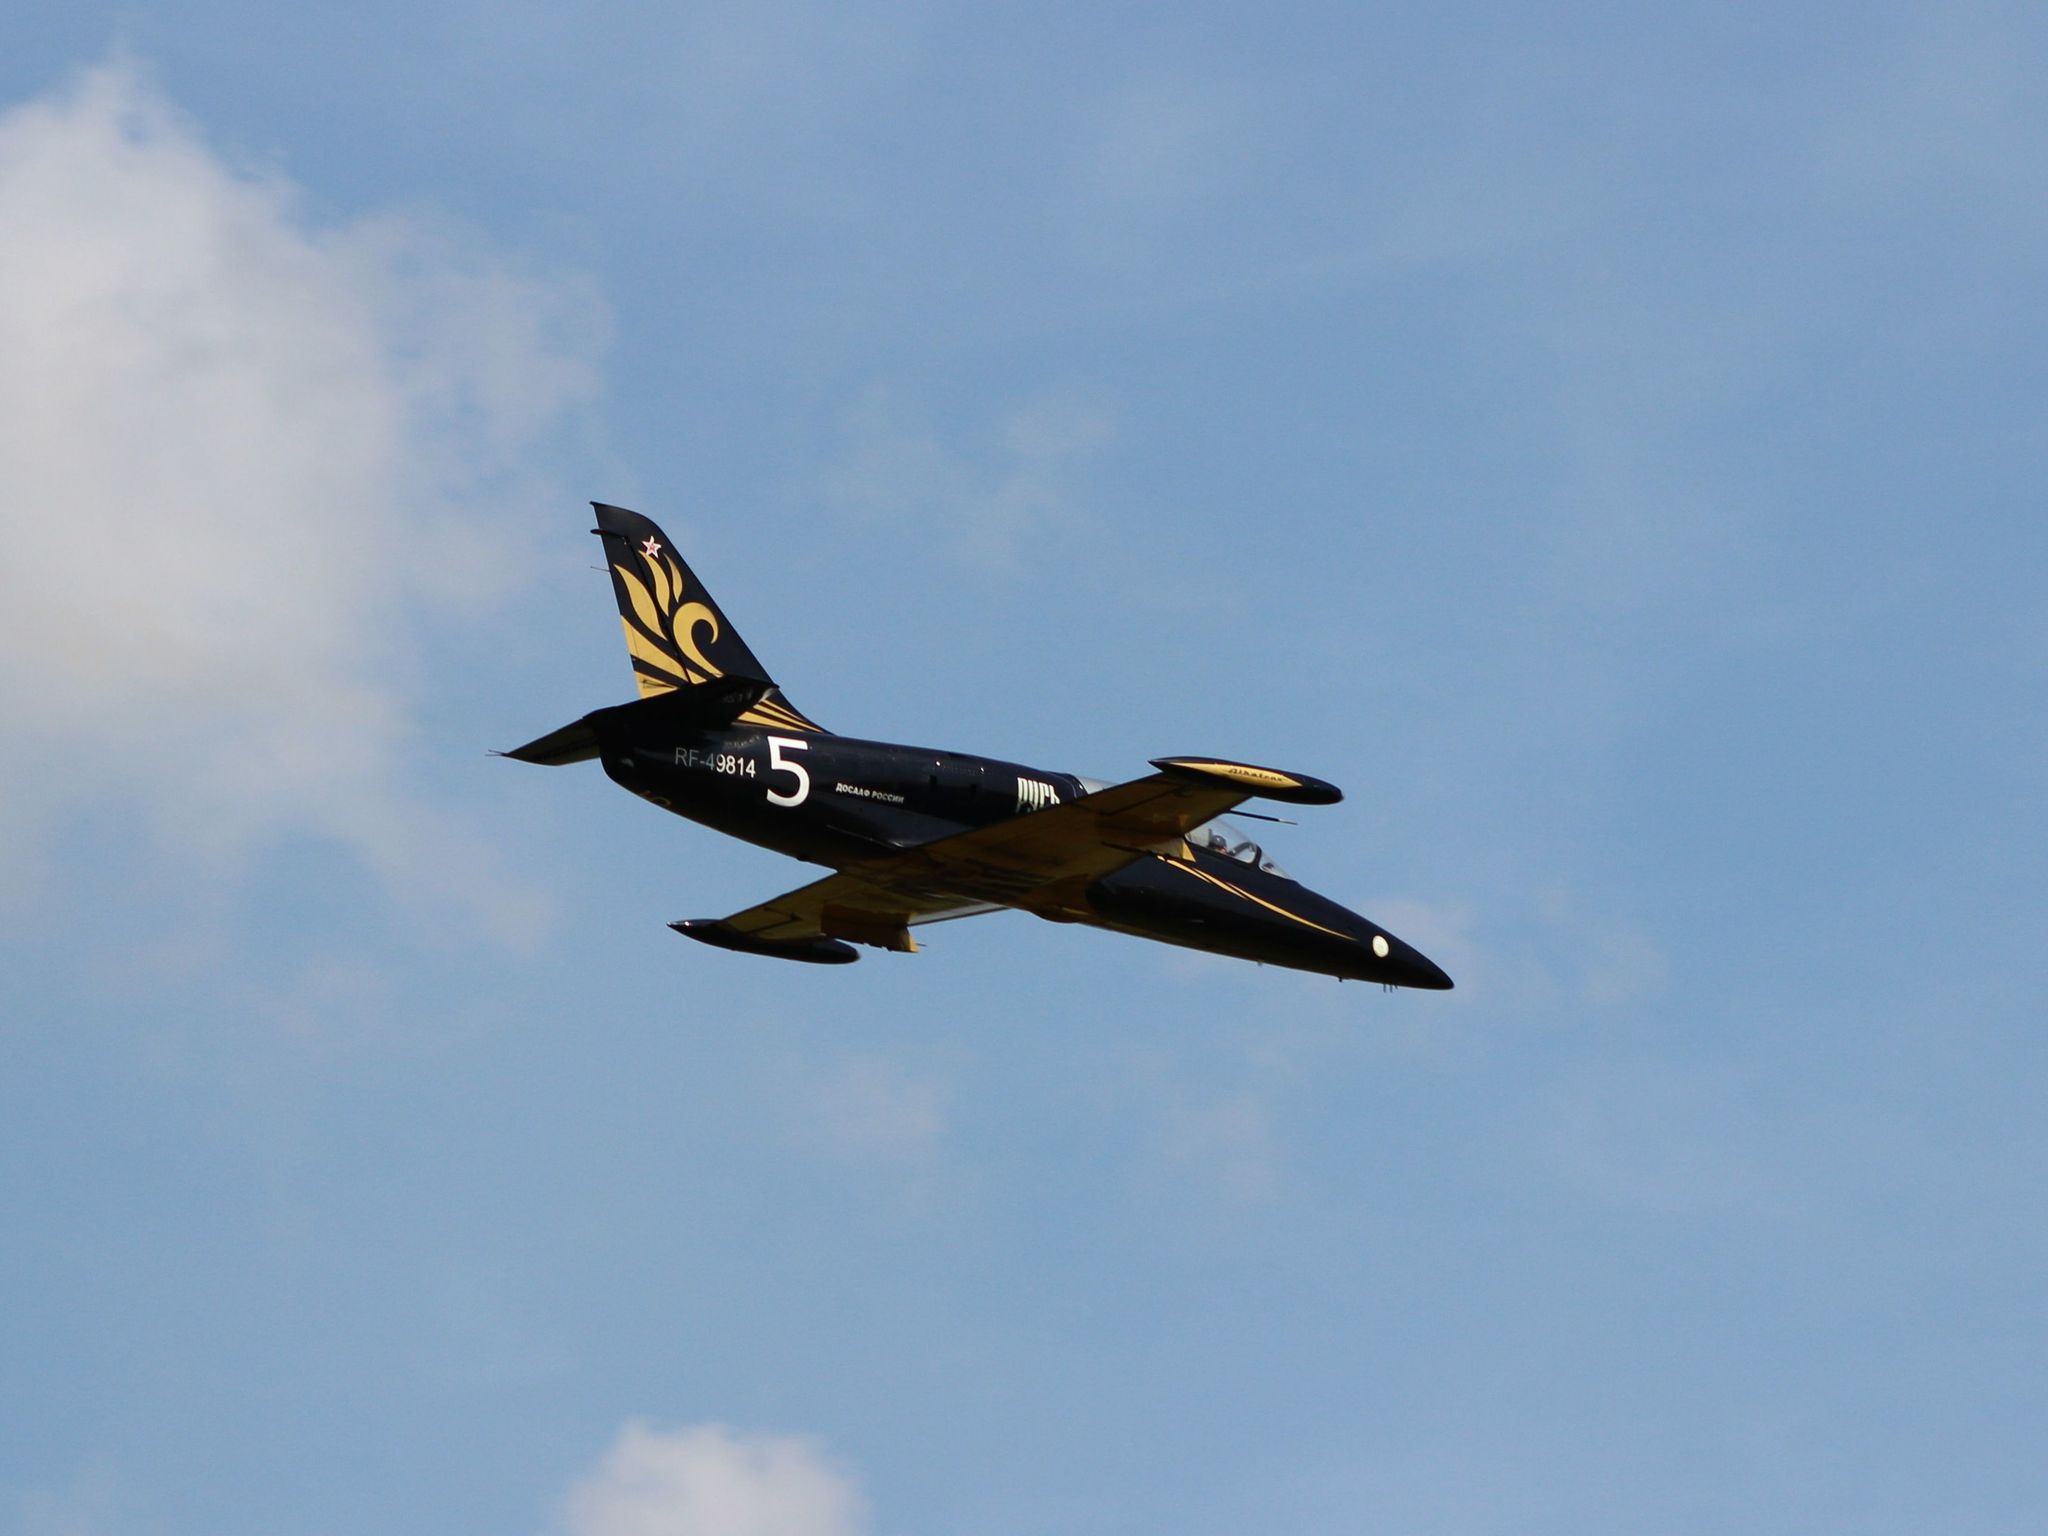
(777, 745)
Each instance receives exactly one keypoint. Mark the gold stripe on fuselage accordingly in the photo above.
(780, 721)
(1236, 890)
(777, 713)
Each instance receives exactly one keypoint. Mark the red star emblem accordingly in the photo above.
(652, 547)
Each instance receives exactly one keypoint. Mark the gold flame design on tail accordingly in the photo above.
(661, 631)
(667, 638)
(673, 626)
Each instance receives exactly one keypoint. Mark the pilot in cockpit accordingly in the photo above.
(1231, 841)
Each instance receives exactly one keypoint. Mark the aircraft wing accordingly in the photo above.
(1039, 862)
(1011, 862)
(809, 922)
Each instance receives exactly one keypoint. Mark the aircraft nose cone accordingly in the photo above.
(1403, 965)
(1426, 973)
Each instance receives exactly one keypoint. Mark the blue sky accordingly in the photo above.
(1607, 442)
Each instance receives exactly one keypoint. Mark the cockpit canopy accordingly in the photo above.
(1233, 842)
(1219, 836)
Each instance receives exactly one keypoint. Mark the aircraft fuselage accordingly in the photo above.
(836, 800)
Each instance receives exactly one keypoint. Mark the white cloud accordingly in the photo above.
(246, 457)
(709, 1481)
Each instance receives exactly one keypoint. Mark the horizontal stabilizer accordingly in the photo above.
(571, 744)
(712, 706)
(707, 706)
(1265, 783)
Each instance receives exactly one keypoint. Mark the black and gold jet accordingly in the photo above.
(919, 836)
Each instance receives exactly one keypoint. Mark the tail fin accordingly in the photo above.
(675, 633)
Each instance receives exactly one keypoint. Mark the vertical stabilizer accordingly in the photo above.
(676, 634)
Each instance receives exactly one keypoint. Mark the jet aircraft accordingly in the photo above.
(918, 836)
